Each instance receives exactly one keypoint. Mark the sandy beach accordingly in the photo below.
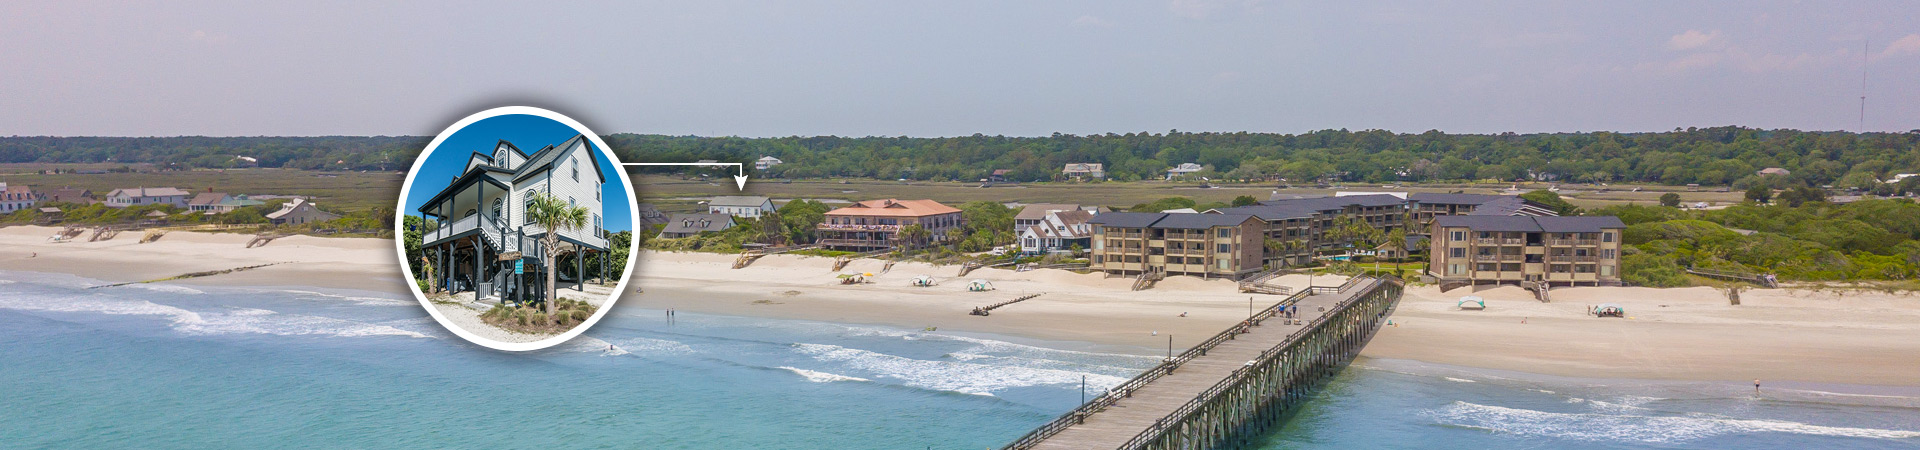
(1851, 337)
(1673, 334)
(342, 263)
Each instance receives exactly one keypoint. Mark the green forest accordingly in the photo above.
(1706, 156)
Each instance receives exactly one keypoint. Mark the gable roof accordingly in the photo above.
(1201, 221)
(697, 222)
(207, 198)
(1127, 219)
(894, 208)
(738, 200)
(544, 158)
(1039, 211)
(148, 192)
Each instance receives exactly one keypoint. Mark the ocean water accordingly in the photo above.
(164, 366)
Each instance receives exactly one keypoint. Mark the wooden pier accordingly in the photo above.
(1235, 386)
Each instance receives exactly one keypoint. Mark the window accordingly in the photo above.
(576, 169)
(596, 193)
(1486, 235)
(1606, 271)
(596, 226)
(1225, 248)
(570, 201)
(1606, 237)
(1457, 269)
(1223, 264)
(526, 208)
(499, 207)
(1226, 232)
(1459, 236)
(1457, 252)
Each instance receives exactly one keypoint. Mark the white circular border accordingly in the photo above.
(400, 245)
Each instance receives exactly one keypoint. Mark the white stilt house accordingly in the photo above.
(487, 245)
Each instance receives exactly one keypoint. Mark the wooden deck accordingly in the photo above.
(1116, 424)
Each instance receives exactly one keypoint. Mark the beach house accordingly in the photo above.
(1214, 245)
(16, 198)
(1057, 230)
(485, 240)
(1559, 251)
(743, 206)
(650, 215)
(766, 162)
(1183, 170)
(1085, 171)
(233, 202)
(66, 195)
(299, 212)
(692, 224)
(207, 202)
(142, 196)
(1032, 214)
(876, 224)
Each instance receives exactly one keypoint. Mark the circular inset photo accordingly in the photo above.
(516, 225)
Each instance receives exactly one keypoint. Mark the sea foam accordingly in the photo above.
(1634, 428)
(962, 377)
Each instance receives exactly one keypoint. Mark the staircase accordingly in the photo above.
(1146, 279)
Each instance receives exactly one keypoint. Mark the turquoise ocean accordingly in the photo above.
(169, 366)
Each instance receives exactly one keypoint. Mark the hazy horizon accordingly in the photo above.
(866, 68)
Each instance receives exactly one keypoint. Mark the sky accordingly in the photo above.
(530, 134)
(1017, 68)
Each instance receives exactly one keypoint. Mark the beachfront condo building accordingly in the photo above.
(876, 224)
(1205, 245)
(481, 217)
(1301, 228)
(1557, 251)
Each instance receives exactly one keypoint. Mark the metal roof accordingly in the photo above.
(1127, 219)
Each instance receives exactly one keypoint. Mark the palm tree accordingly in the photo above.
(555, 216)
(913, 234)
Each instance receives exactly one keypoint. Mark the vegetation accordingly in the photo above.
(555, 216)
(1707, 156)
(1867, 240)
(564, 314)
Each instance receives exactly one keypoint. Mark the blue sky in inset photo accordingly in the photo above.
(530, 134)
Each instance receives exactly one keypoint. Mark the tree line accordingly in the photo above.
(1706, 156)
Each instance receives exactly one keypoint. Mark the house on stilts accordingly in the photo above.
(485, 245)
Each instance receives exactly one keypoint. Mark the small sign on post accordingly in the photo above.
(519, 267)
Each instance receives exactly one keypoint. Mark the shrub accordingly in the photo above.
(581, 315)
(539, 319)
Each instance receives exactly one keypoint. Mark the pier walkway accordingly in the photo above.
(1231, 386)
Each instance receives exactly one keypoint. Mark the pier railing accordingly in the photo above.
(1125, 389)
(1177, 430)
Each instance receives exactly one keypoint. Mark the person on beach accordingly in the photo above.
(1756, 386)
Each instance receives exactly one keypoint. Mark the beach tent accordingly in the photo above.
(1471, 302)
(923, 281)
(1609, 310)
(980, 286)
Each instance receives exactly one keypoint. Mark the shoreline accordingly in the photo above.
(1800, 335)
